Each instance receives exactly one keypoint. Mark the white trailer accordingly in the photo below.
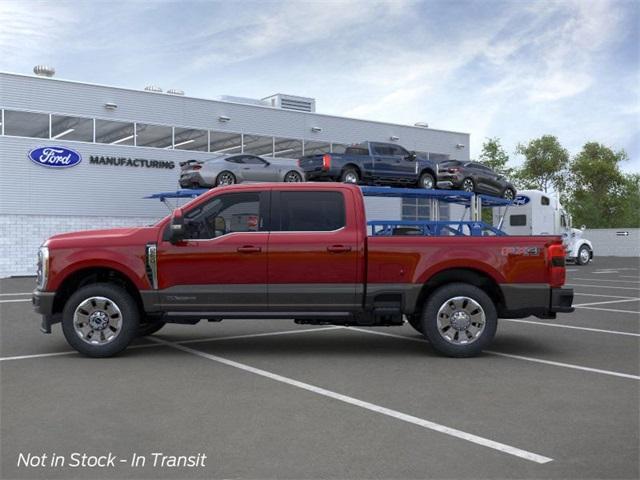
(534, 212)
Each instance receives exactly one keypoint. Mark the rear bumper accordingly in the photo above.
(192, 179)
(43, 304)
(540, 300)
(319, 175)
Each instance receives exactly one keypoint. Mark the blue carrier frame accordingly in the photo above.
(434, 227)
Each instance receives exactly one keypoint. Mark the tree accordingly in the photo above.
(545, 164)
(601, 196)
(495, 157)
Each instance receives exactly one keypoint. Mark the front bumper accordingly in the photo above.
(540, 300)
(43, 304)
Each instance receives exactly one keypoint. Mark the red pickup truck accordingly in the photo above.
(298, 251)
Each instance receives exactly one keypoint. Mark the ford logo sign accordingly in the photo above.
(521, 200)
(55, 157)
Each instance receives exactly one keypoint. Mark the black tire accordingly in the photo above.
(427, 181)
(508, 194)
(149, 328)
(430, 320)
(416, 322)
(468, 185)
(579, 258)
(129, 319)
(350, 175)
(289, 177)
(224, 175)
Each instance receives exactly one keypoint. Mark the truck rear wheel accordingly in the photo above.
(459, 320)
(100, 320)
(350, 175)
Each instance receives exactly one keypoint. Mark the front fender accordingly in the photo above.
(66, 263)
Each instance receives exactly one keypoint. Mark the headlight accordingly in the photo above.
(43, 268)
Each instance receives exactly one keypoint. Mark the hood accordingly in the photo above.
(106, 237)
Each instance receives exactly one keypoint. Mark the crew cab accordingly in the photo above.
(299, 251)
(372, 163)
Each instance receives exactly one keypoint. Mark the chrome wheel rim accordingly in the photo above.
(461, 320)
(226, 179)
(97, 320)
(350, 177)
(467, 185)
(427, 182)
(584, 255)
(508, 194)
(293, 177)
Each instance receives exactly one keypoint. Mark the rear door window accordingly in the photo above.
(311, 211)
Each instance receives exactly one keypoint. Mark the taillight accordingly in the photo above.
(299, 162)
(453, 170)
(326, 161)
(557, 272)
(196, 167)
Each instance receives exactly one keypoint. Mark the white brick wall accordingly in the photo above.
(22, 235)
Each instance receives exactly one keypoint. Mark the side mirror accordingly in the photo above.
(412, 156)
(583, 228)
(176, 226)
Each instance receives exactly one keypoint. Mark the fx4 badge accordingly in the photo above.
(525, 251)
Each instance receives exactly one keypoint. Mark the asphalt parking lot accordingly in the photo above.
(270, 399)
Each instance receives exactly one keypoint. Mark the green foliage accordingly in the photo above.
(599, 194)
(545, 164)
(495, 157)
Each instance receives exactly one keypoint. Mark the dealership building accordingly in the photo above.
(129, 144)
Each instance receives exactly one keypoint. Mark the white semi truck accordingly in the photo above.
(537, 213)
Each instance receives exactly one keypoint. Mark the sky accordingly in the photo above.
(509, 69)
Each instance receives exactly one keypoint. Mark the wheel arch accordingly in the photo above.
(471, 276)
(354, 166)
(88, 275)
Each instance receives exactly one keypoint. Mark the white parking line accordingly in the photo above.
(193, 340)
(608, 301)
(605, 272)
(421, 422)
(603, 286)
(628, 276)
(16, 300)
(573, 327)
(611, 310)
(14, 294)
(600, 295)
(519, 357)
(604, 280)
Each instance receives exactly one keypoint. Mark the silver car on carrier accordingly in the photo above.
(238, 168)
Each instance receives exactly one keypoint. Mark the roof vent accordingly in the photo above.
(44, 71)
(175, 91)
(421, 124)
(153, 88)
(292, 102)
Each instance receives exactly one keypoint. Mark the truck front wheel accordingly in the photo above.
(584, 255)
(459, 320)
(100, 320)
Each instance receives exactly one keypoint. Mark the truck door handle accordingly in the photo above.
(249, 249)
(339, 248)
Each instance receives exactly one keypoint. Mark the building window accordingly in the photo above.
(315, 148)
(114, 133)
(415, 209)
(26, 124)
(157, 136)
(190, 139)
(258, 145)
(225, 142)
(287, 148)
(71, 128)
